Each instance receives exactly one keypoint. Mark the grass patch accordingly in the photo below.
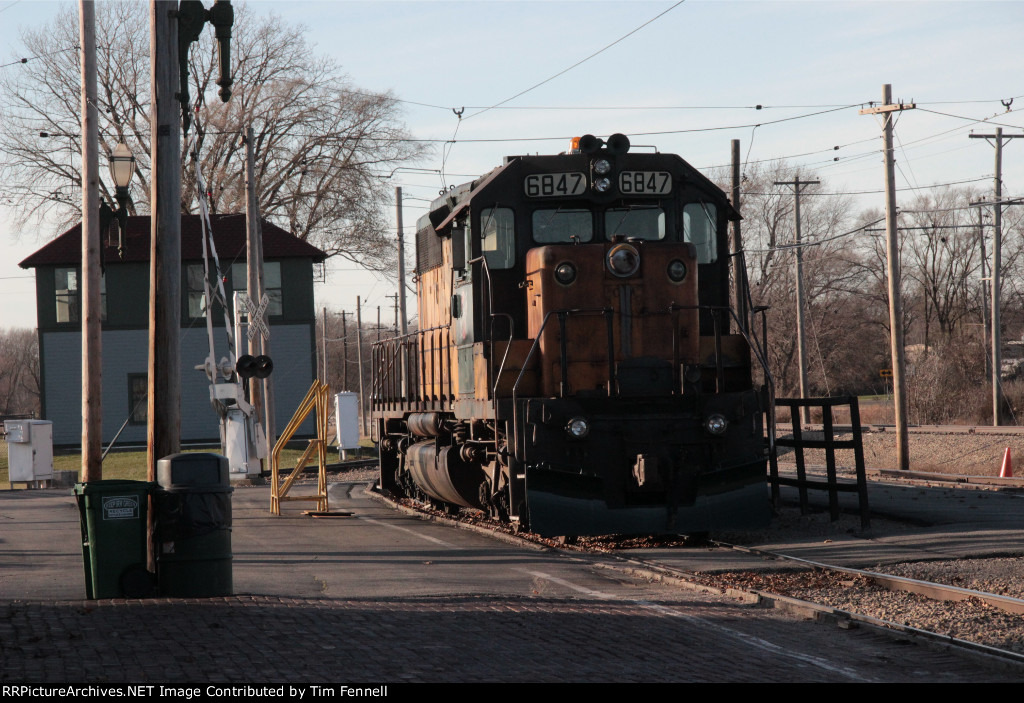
(131, 466)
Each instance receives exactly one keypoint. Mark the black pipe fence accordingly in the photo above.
(799, 442)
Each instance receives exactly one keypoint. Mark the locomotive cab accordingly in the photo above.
(578, 367)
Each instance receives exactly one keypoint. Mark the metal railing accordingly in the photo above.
(829, 443)
(412, 371)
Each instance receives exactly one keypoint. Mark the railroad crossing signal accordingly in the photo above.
(257, 317)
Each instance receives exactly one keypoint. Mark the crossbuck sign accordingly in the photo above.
(257, 317)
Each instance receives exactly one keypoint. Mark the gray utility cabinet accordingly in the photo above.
(29, 450)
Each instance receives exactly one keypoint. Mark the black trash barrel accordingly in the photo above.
(193, 526)
(113, 516)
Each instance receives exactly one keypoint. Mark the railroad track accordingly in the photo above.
(921, 429)
(978, 621)
(987, 623)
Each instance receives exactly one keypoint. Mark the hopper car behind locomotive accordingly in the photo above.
(578, 368)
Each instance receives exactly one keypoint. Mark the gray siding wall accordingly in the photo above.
(126, 352)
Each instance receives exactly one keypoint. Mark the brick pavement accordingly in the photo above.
(401, 605)
(462, 639)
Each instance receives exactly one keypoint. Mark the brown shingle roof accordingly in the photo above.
(229, 234)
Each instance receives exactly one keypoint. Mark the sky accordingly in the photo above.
(682, 77)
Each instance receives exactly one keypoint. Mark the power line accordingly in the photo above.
(817, 242)
(987, 120)
(35, 58)
(875, 192)
(580, 62)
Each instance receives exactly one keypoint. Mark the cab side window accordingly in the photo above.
(498, 237)
(700, 229)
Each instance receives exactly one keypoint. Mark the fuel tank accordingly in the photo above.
(442, 474)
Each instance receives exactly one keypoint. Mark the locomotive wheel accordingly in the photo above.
(523, 525)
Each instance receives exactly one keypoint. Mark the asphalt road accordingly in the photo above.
(385, 598)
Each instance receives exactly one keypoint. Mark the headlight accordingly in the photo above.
(676, 271)
(578, 427)
(716, 424)
(623, 260)
(602, 167)
(565, 273)
(602, 185)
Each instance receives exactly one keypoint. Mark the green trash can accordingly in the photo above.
(113, 517)
(193, 526)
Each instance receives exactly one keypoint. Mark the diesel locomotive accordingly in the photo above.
(580, 367)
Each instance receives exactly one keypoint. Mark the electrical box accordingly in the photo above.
(244, 443)
(346, 415)
(29, 451)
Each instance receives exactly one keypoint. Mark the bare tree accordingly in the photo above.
(829, 279)
(944, 259)
(19, 372)
(323, 148)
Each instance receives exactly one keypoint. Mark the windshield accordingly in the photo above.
(636, 221)
(562, 225)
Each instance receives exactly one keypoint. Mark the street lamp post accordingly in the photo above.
(122, 169)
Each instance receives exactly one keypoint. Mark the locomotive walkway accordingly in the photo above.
(385, 598)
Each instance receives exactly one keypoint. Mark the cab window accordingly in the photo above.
(699, 228)
(498, 237)
(562, 225)
(640, 222)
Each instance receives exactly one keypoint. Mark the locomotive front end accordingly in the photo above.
(579, 369)
(634, 432)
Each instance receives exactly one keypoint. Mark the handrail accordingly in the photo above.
(536, 343)
(759, 354)
(390, 372)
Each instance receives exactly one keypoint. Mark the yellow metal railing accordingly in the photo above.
(316, 399)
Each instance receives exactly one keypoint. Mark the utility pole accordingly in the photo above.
(395, 306)
(164, 410)
(997, 244)
(254, 280)
(344, 350)
(739, 273)
(892, 253)
(798, 186)
(359, 363)
(92, 367)
(984, 293)
(404, 329)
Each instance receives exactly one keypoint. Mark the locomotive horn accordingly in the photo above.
(264, 366)
(618, 144)
(590, 144)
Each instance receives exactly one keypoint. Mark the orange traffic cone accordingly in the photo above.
(1007, 470)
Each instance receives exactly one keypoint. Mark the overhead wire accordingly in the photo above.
(816, 242)
(40, 56)
(580, 62)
